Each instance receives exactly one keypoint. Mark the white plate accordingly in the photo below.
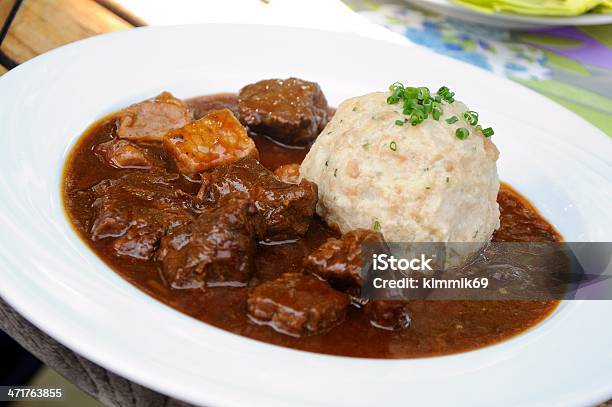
(47, 273)
(507, 20)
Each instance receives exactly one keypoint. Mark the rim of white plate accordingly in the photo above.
(73, 307)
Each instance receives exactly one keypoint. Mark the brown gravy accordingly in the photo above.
(438, 327)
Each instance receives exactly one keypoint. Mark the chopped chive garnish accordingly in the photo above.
(436, 113)
(396, 90)
(419, 104)
(452, 119)
(326, 163)
(488, 132)
(462, 133)
(376, 226)
(393, 146)
(335, 172)
(446, 94)
(410, 93)
(447, 179)
(366, 145)
(471, 117)
(422, 93)
(393, 99)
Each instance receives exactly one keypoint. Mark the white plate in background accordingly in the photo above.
(508, 20)
(559, 161)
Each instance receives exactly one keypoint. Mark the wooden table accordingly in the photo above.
(41, 25)
(37, 27)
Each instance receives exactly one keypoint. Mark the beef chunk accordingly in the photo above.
(289, 173)
(137, 210)
(217, 138)
(339, 260)
(297, 304)
(216, 249)
(292, 111)
(388, 314)
(123, 154)
(285, 210)
(151, 119)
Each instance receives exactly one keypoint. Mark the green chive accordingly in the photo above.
(376, 226)
(471, 117)
(410, 93)
(419, 104)
(436, 113)
(395, 86)
(446, 94)
(393, 99)
(393, 146)
(462, 133)
(414, 104)
(422, 93)
(335, 172)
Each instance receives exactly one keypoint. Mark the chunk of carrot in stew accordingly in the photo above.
(217, 138)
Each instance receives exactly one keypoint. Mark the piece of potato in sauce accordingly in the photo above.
(215, 139)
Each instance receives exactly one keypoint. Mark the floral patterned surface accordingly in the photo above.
(570, 65)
